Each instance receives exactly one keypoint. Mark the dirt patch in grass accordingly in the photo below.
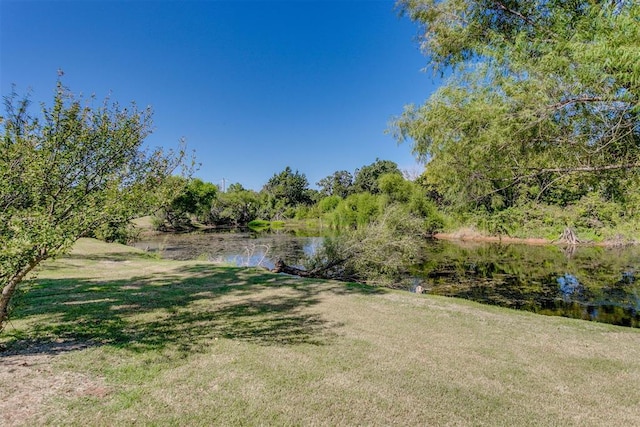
(30, 380)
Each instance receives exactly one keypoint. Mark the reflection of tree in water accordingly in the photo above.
(231, 246)
(593, 283)
(620, 303)
(289, 249)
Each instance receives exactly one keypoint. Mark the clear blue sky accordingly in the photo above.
(252, 86)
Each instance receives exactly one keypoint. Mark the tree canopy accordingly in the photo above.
(66, 172)
(290, 187)
(192, 201)
(338, 184)
(366, 178)
(542, 103)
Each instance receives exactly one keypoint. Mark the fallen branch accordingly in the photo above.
(281, 267)
(317, 273)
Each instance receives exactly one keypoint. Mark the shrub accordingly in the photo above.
(379, 253)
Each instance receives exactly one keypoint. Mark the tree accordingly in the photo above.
(366, 178)
(378, 253)
(290, 187)
(542, 105)
(338, 184)
(235, 187)
(395, 187)
(236, 207)
(357, 210)
(67, 172)
(194, 200)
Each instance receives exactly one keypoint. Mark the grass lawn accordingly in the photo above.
(110, 336)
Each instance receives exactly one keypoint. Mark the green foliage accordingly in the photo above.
(118, 232)
(339, 184)
(542, 105)
(329, 203)
(528, 220)
(420, 206)
(378, 253)
(236, 208)
(598, 214)
(413, 198)
(357, 210)
(235, 187)
(263, 225)
(395, 187)
(593, 218)
(193, 201)
(196, 198)
(289, 187)
(366, 178)
(67, 173)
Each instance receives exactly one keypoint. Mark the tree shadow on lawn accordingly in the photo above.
(184, 309)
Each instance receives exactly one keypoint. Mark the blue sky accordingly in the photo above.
(253, 86)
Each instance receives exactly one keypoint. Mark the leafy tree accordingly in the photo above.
(194, 200)
(338, 184)
(378, 253)
(366, 178)
(413, 199)
(66, 173)
(328, 204)
(235, 208)
(357, 210)
(291, 188)
(235, 187)
(543, 102)
(395, 187)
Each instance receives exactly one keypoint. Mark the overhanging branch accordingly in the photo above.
(577, 169)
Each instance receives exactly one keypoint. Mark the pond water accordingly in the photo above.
(241, 248)
(591, 283)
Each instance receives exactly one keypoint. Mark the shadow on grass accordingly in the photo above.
(184, 309)
(115, 256)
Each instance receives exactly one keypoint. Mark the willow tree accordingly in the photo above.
(65, 172)
(543, 101)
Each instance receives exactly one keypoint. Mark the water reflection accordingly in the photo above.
(570, 287)
(593, 283)
(236, 247)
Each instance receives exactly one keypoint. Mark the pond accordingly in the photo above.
(236, 247)
(591, 283)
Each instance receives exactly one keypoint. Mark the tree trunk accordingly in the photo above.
(569, 236)
(281, 267)
(10, 287)
(316, 273)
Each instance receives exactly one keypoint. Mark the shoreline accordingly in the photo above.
(469, 235)
(479, 238)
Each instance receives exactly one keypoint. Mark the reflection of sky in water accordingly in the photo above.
(569, 286)
(313, 245)
(628, 277)
(260, 255)
(594, 283)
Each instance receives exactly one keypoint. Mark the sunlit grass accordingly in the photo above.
(187, 343)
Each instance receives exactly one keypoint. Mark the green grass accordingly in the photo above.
(110, 336)
(262, 225)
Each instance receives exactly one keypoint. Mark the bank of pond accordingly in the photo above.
(584, 282)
